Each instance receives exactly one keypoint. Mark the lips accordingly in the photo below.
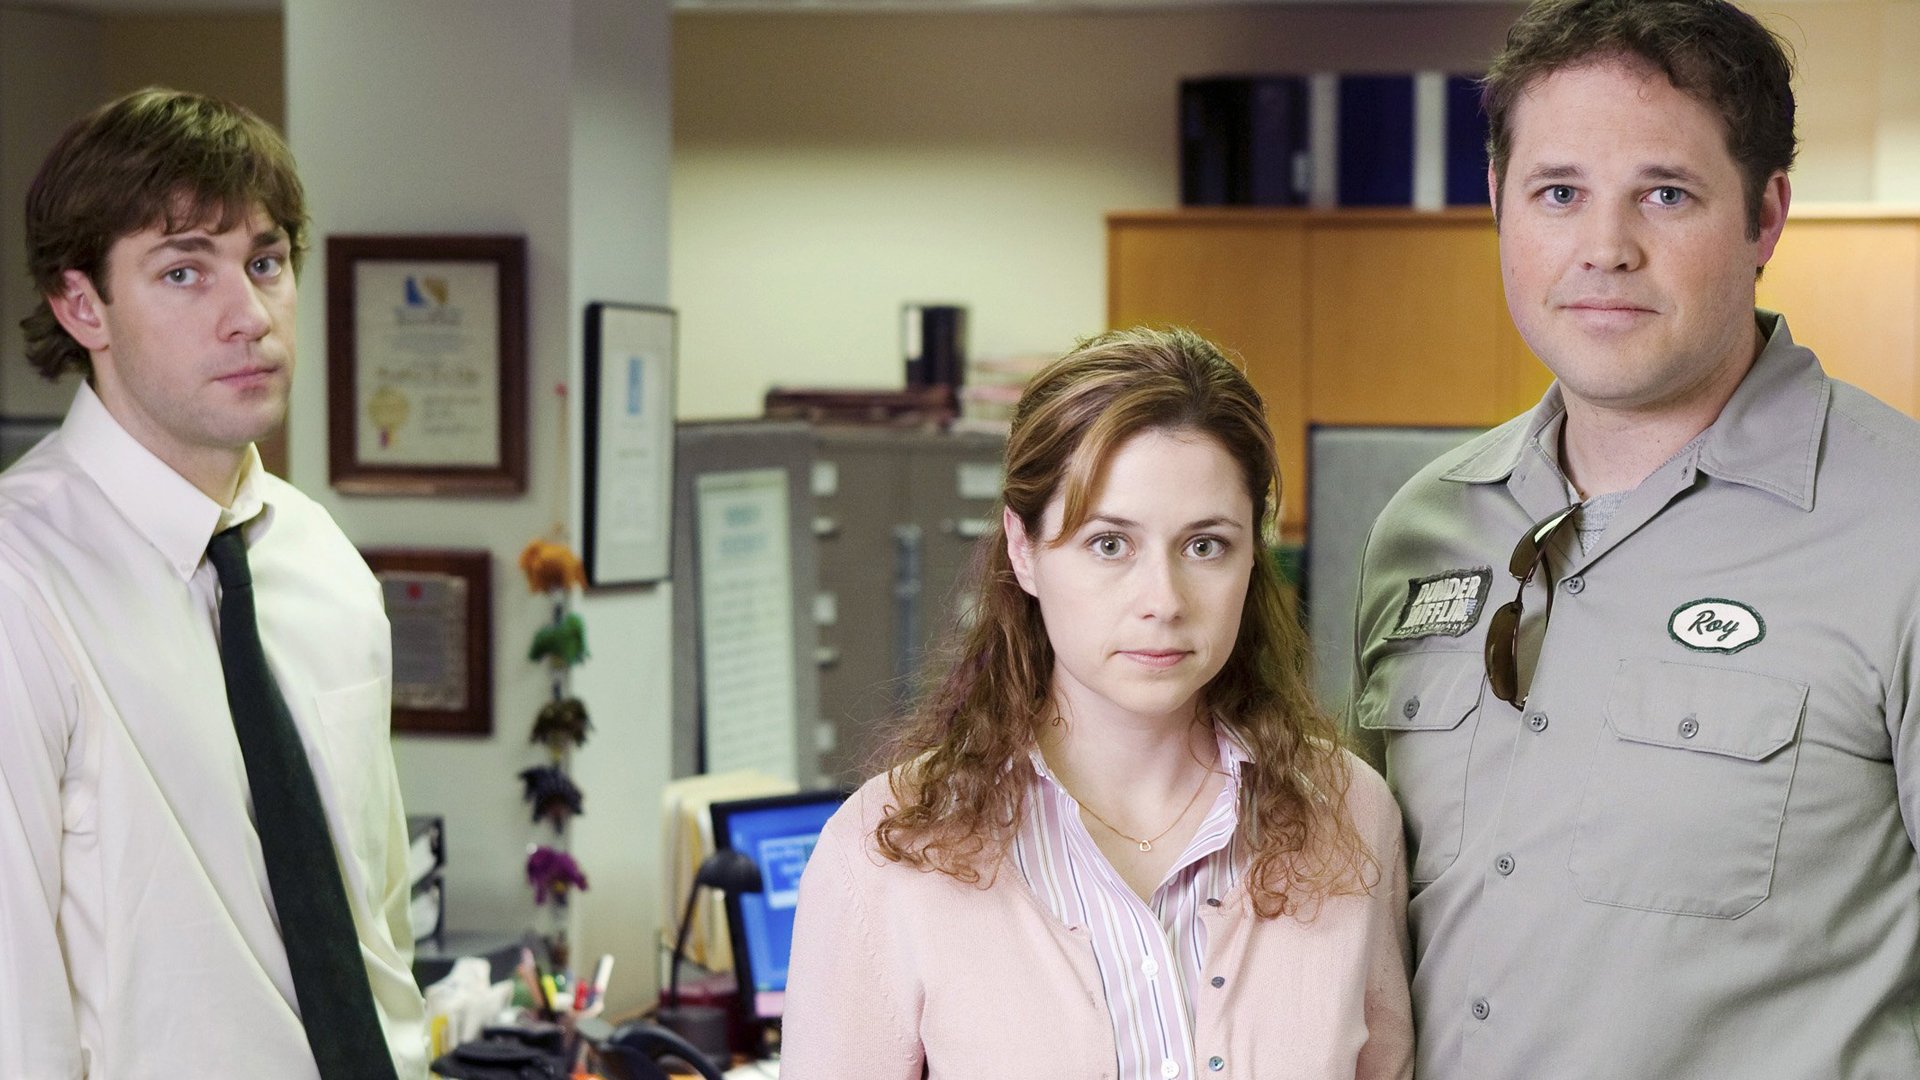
(1608, 306)
(249, 374)
(1157, 659)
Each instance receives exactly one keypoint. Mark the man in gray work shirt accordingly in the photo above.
(1662, 808)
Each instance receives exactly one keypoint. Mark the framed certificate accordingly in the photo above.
(427, 364)
(440, 605)
(628, 458)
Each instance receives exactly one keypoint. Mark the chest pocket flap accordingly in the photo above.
(1420, 701)
(1421, 691)
(1688, 789)
(1738, 714)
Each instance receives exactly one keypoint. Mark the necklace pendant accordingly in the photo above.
(1146, 845)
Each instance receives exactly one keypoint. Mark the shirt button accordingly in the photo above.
(1412, 706)
(1169, 1068)
(1481, 1010)
(1216, 1063)
(1149, 968)
(1537, 722)
(1219, 981)
(1213, 901)
(1575, 584)
(1689, 728)
(1504, 865)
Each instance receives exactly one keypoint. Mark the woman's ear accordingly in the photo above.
(1019, 549)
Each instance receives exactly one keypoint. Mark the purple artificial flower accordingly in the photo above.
(553, 872)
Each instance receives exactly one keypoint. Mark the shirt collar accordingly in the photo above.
(1767, 436)
(164, 507)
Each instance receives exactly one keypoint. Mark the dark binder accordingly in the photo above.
(1243, 141)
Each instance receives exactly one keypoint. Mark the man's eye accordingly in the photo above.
(181, 275)
(266, 266)
(1669, 196)
(1560, 195)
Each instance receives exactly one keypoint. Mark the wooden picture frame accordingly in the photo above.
(427, 365)
(440, 602)
(627, 456)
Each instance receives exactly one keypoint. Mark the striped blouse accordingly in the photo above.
(1149, 955)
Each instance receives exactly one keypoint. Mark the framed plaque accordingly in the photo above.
(628, 458)
(427, 364)
(441, 606)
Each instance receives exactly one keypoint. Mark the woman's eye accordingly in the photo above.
(1206, 547)
(1109, 545)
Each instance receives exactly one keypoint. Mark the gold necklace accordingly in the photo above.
(1147, 845)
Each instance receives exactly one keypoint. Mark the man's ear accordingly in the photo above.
(1019, 549)
(80, 310)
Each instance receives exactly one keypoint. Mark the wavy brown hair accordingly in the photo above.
(958, 793)
(154, 158)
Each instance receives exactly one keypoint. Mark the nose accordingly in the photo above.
(1161, 589)
(1610, 238)
(244, 316)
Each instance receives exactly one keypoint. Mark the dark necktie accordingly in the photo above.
(329, 977)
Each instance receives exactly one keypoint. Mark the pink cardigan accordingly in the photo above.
(894, 967)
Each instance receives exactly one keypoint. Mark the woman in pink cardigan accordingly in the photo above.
(1120, 841)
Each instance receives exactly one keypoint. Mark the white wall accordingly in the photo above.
(828, 167)
(547, 119)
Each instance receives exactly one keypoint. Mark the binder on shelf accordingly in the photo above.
(1243, 141)
(1375, 163)
(1414, 140)
(1466, 143)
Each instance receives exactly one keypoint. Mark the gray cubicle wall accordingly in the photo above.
(727, 446)
(1354, 471)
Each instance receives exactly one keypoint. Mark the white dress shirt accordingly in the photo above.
(137, 932)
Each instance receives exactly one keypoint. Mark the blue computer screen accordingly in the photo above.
(778, 838)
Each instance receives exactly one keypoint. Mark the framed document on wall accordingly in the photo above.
(427, 364)
(441, 607)
(628, 458)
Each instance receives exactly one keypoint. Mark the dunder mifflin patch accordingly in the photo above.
(1447, 603)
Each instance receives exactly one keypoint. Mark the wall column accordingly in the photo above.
(548, 118)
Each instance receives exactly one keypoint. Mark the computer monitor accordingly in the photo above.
(778, 833)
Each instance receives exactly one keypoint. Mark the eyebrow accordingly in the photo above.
(196, 243)
(1203, 523)
(1666, 173)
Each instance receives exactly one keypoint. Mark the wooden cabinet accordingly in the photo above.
(1398, 317)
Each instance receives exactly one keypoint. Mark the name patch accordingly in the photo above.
(1716, 625)
(1448, 603)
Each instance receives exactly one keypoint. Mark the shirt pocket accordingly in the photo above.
(1688, 789)
(1421, 701)
(354, 725)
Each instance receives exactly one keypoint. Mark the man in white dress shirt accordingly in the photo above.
(140, 933)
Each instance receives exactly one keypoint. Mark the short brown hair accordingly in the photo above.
(956, 793)
(1709, 49)
(155, 157)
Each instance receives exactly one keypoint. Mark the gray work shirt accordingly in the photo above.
(1692, 854)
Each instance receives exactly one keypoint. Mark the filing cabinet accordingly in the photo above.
(898, 515)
